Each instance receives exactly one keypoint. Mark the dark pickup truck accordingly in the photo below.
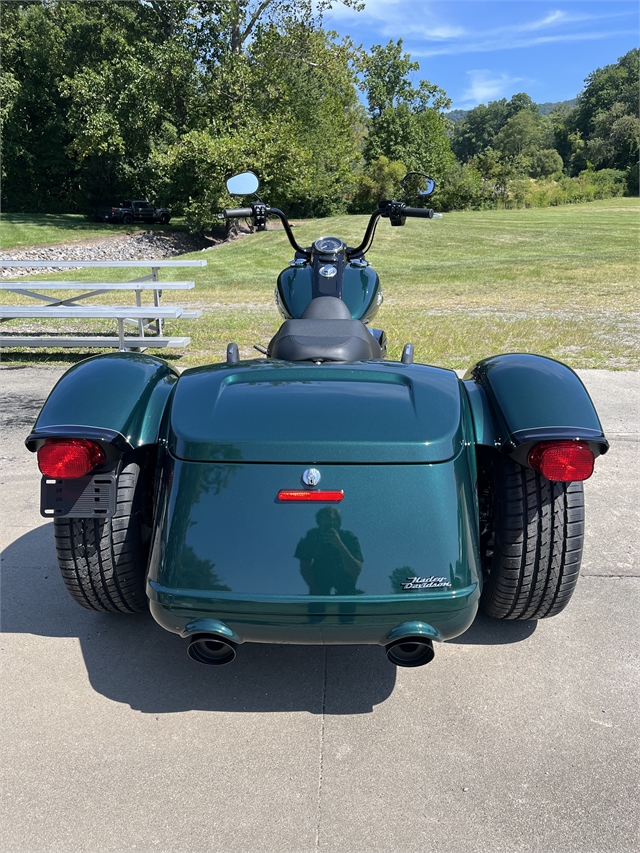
(130, 211)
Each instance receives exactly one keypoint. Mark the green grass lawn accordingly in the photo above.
(559, 281)
(21, 230)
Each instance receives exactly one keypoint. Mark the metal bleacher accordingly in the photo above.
(147, 318)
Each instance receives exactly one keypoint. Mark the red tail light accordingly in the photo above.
(69, 458)
(301, 495)
(564, 461)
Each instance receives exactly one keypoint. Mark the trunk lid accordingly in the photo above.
(279, 412)
(401, 532)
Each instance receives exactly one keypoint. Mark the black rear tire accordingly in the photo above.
(127, 219)
(532, 541)
(103, 561)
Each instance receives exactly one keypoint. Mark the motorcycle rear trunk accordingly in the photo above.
(396, 557)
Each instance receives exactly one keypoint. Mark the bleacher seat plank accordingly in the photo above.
(16, 341)
(111, 312)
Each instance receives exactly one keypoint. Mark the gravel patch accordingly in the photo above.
(140, 246)
(148, 245)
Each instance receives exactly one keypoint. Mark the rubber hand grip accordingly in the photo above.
(419, 212)
(236, 212)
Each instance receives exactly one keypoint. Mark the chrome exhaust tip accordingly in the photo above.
(410, 651)
(212, 650)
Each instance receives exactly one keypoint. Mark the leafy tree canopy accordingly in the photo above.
(613, 84)
(103, 99)
(406, 122)
(478, 129)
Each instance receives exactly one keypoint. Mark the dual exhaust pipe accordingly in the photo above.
(410, 651)
(213, 650)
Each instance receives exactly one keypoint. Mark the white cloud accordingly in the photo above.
(435, 32)
(493, 44)
(431, 32)
(487, 86)
(399, 18)
(379, 9)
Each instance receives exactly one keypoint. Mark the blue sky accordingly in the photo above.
(482, 50)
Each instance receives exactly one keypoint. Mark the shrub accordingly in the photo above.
(381, 179)
(462, 189)
(545, 163)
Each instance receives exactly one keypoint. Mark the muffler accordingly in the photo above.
(212, 650)
(410, 651)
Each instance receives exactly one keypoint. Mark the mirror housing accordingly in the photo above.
(417, 184)
(245, 183)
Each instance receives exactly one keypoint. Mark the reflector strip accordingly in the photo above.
(301, 495)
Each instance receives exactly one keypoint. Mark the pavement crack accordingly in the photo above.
(611, 577)
(321, 763)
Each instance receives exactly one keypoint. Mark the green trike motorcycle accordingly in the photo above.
(321, 493)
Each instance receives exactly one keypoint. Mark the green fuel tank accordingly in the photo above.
(357, 284)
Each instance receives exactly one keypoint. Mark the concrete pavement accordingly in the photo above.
(519, 736)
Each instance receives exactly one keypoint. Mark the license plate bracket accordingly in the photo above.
(83, 497)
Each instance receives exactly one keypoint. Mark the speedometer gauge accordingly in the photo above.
(328, 245)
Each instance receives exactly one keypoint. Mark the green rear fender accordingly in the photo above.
(118, 397)
(519, 400)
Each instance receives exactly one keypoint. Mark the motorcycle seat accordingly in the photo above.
(326, 308)
(323, 340)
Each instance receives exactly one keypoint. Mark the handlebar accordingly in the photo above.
(236, 212)
(419, 212)
(390, 209)
(259, 213)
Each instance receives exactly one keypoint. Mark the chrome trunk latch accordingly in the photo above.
(311, 477)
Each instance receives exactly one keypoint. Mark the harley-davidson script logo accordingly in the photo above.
(425, 583)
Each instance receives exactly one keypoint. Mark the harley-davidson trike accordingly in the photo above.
(321, 494)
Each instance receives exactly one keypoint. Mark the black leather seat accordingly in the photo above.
(326, 332)
(326, 308)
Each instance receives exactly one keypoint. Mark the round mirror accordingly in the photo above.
(415, 183)
(244, 184)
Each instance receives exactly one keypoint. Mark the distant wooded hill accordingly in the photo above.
(545, 109)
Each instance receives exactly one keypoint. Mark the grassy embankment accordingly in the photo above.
(22, 231)
(558, 281)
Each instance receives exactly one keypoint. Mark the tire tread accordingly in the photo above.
(539, 531)
(102, 560)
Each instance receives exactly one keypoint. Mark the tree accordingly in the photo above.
(546, 162)
(95, 93)
(228, 31)
(382, 180)
(522, 140)
(307, 74)
(606, 118)
(406, 123)
(194, 169)
(495, 172)
(521, 135)
(480, 127)
(97, 85)
(613, 84)
(615, 138)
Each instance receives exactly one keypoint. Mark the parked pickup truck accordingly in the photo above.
(129, 211)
